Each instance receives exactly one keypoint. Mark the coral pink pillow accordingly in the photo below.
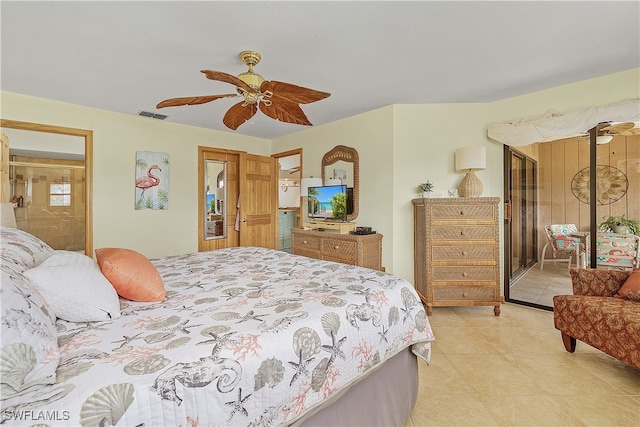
(630, 288)
(131, 274)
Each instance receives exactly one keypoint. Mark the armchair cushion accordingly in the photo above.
(630, 288)
(594, 282)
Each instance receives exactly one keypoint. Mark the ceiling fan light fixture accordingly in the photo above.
(252, 79)
(603, 139)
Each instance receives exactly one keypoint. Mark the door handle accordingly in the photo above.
(507, 214)
(243, 219)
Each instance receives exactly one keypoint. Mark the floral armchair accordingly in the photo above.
(604, 312)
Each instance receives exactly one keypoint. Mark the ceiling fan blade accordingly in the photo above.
(238, 114)
(294, 170)
(228, 78)
(192, 100)
(297, 94)
(613, 128)
(285, 110)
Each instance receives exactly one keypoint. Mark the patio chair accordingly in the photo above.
(617, 251)
(561, 242)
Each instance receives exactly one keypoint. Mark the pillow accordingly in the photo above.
(75, 288)
(131, 274)
(630, 288)
(7, 215)
(29, 355)
(21, 248)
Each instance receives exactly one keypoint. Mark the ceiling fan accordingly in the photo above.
(605, 131)
(278, 100)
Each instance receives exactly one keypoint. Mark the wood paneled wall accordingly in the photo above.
(558, 163)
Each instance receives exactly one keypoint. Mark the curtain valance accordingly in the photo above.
(554, 125)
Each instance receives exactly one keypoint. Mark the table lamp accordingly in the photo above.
(470, 159)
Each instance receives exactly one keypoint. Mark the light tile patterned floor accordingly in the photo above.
(513, 370)
(539, 286)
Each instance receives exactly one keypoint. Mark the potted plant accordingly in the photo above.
(425, 188)
(620, 225)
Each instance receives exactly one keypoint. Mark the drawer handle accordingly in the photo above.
(336, 247)
(464, 253)
(461, 213)
(462, 232)
(465, 274)
(304, 241)
(464, 295)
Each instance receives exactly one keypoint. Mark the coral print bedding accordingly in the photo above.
(245, 337)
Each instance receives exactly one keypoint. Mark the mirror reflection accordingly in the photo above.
(340, 166)
(215, 196)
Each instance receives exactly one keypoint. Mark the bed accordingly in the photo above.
(243, 336)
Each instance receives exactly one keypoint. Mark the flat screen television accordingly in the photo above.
(328, 202)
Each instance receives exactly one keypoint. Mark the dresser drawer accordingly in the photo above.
(304, 242)
(462, 212)
(335, 247)
(462, 253)
(348, 261)
(463, 232)
(464, 273)
(464, 293)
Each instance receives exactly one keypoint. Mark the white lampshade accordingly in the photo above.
(471, 158)
(305, 183)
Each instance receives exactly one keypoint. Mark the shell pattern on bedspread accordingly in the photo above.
(247, 337)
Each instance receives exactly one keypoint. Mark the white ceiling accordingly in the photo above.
(128, 56)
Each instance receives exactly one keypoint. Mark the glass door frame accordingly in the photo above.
(527, 212)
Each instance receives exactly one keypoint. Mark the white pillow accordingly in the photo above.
(75, 288)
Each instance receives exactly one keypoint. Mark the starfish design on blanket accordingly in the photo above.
(125, 340)
(218, 342)
(238, 404)
(301, 367)
(251, 316)
(383, 334)
(334, 349)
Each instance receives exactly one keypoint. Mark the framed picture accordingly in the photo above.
(152, 180)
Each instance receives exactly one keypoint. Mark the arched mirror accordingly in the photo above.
(214, 203)
(341, 166)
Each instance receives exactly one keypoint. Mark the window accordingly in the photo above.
(60, 194)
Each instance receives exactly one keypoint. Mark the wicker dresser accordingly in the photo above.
(361, 250)
(457, 258)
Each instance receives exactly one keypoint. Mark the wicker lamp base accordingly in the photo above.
(470, 186)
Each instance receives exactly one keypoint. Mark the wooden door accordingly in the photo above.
(258, 201)
(231, 159)
(4, 170)
(253, 178)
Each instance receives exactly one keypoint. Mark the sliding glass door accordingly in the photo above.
(520, 218)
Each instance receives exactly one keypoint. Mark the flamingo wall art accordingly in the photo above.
(152, 180)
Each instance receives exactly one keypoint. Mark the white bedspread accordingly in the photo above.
(247, 337)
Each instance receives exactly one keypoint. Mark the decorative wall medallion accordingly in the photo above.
(611, 184)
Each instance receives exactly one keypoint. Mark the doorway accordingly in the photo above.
(521, 234)
(51, 168)
(289, 175)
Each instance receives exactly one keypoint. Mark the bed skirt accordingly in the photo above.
(384, 398)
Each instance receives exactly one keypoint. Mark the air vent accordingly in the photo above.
(152, 115)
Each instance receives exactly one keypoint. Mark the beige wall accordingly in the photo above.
(410, 143)
(399, 146)
(116, 138)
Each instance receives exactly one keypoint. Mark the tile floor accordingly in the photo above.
(513, 370)
(539, 286)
